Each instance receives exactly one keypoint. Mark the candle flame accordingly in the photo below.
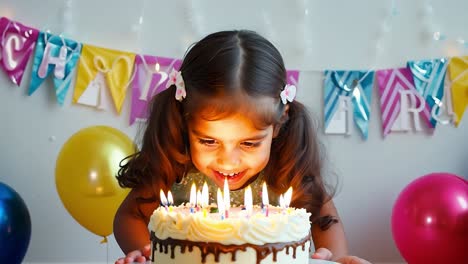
(170, 200)
(193, 195)
(248, 200)
(287, 197)
(205, 196)
(265, 199)
(163, 199)
(157, 66)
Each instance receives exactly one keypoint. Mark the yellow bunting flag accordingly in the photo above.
(458, 71)
(100, 68)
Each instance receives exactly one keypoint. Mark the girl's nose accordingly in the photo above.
(229, 158)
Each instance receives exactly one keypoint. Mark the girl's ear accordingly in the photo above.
(284, 118)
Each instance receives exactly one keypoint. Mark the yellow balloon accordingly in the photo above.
(85, 176)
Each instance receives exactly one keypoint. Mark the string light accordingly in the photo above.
(434, 32)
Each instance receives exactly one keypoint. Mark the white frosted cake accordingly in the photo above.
(183, 235)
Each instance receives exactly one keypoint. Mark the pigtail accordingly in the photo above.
(163, 156)
(296, 160)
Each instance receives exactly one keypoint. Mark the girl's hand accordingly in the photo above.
(139, 256)
(323, 253)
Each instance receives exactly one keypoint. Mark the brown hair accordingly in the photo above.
(224, 73)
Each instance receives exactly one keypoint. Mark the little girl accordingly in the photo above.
(228, 113)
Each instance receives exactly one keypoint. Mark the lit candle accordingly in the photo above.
(170, 200)
(205, 197)
(265, 200)
(227, 198)
(248, 200)
(193, 197)
(221, 208)
(163, 199)
(287, 199)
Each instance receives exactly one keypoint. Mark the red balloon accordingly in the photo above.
(430, 220)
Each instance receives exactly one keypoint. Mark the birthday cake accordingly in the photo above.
(183, 234)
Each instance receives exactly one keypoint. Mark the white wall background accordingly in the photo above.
(312, 35)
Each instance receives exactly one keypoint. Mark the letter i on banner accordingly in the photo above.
(399, 98)
(16, 47)
(151, 74)
(57, 54)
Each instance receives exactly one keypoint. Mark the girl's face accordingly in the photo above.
(231, 147)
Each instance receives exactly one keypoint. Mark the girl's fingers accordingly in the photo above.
(129, 259)
(134, 254)
(146, 251)
(322, 253)
(140, 259)
(120, 261)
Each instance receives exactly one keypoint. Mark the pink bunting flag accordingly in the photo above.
(292, 77)
(16, 46)
(151, 75)
(399, 97)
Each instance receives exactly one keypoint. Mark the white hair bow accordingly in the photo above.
(288, 94)
(175, 78)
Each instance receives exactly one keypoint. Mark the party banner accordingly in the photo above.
(151, 75)
(16, 46)
(428, 77)
(399, 97)
(458, 72)
(347, 95)
(102, 68)
(54, 53)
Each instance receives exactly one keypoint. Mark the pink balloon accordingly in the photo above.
(430, 220)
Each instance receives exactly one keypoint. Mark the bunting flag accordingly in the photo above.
(16, 47)
(396, 88)
(458, 72)
(58, 54)
(292, 77)
(428, 77)
(100, 68)
(151, 74)
(347, 95)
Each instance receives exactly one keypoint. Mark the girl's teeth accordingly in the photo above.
(229, 174)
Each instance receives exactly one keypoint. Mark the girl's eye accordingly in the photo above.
(251, 144)
(207, 142)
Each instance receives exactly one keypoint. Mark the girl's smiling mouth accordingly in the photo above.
(233, 178)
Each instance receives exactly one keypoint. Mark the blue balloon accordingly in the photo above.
(15, 226)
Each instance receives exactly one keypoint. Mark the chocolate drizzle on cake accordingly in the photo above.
(216, 249)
